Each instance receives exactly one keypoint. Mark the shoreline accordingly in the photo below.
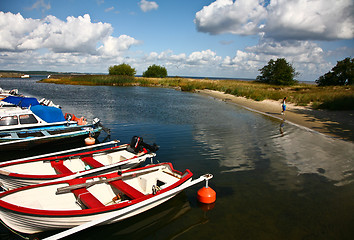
(335, 124)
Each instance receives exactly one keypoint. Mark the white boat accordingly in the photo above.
(24, 128)
(84, 202)
(35, 170)
(5, 93)
(25, 76)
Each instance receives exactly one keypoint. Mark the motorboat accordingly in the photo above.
(24, 139)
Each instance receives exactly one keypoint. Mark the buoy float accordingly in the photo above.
(206, 194)
(90, 141)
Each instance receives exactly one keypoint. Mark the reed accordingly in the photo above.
(331, 97)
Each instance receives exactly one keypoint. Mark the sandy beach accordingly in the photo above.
(337, 124)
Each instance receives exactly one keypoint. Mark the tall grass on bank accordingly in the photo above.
(331, 97)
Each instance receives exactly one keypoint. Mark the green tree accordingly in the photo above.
(278, 72)
(341, 74)
(155, 71)
(122, 69)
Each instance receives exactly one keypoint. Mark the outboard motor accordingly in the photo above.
(97, 122)
(137, 145)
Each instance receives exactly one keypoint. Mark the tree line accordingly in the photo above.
(124, 69)
(276, 72)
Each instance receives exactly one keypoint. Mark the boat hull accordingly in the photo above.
(31, 224)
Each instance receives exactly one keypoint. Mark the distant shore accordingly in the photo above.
(337, 124)
(303, 100)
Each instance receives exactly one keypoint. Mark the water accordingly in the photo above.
(273, 180)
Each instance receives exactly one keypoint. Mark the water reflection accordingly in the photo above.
(316, 154)
(281, 127)
(243, 144)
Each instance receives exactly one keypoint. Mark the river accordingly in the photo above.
(273, 180)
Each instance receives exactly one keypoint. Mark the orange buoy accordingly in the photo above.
(206, 195)
(90, 141)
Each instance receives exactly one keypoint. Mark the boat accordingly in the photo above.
(24, 128)
(5, 93)
(35, 170)
(87, 201)
(24, 139)
(25, 76)
(12, 118)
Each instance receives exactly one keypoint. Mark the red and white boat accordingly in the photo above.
(102, 199)
(18, 173)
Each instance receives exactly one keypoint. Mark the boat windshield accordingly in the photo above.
(8, 120)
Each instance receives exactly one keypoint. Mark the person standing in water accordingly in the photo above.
(283, 106)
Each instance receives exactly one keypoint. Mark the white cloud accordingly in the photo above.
(310, 19)
(206, 57)
(113, 46)
(40, 4)
(75, 35)
(109, 9)
(13, 27)
(226, 16)
(307, 58)
(146, 6)
(281, 19)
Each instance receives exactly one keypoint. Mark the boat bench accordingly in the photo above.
(60, 167)
(127, 189)
(87, 198)
(92, 162)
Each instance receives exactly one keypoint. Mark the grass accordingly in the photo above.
(331, 97)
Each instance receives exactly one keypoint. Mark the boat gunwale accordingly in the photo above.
(54, 158)
(185, 176)
(10, 141)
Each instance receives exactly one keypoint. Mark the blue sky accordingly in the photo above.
(221, 38)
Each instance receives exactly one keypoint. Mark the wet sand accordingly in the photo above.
(337, 124)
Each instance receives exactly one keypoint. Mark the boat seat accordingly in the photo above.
(85, 196)
(60, 167)
(92, 162)
(127, 189)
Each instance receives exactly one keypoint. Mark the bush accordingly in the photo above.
(341, 74)
(155, 71)
(122, 69)
(278, 72)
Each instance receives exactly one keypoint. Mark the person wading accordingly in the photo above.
(283, 106)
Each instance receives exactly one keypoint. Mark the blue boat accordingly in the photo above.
(22, 129)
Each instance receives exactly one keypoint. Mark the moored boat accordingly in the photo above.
(35, 170)
(111, 197)
(22, 129)
(24, 139)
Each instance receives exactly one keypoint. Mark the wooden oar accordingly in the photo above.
(129, 209)
(89, 184)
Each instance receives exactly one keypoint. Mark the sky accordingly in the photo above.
(201, 38)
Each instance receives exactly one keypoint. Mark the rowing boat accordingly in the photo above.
(70, 203)
(19, 173)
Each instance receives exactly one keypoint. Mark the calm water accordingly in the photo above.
(270, 185)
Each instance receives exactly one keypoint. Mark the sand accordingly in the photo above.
(336, 124)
